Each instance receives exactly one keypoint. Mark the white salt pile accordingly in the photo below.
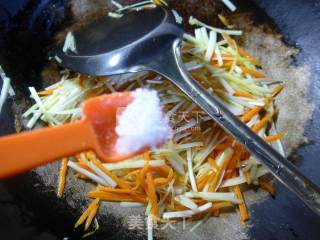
(142, 123)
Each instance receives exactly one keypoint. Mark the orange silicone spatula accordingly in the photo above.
(95, 131)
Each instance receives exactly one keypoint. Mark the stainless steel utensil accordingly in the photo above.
(150, 41)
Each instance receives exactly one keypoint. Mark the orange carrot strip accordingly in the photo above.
(197, 77)
(141, 177)
(263, 122)
(216, 213)
(228, 63)
(162, 170)
(135, 172)
(62, 177)
(218, 175)
(253, 73)
(91, 215)
(119, 181)
(247, 116)
(222, 146)
(242, 94)
(213, 164)
(267, 186)
(233, 162)
(160, 181)
(147, 156)
(84, 166)
(152, 195)
(46, 92)
(204, 180)
(244, 215)
(273, 138)
(163, 181)
(248, 177)
(116, 197)
(216, 207)
(85, 214)
(81, 176)
(178, 207)
(253, 111)
(220, 205)
(230, 41)
(116, 190)
(158, 2)
(246, 55)
(277, 90)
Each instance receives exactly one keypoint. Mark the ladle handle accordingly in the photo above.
(24, 151)
(173, 68)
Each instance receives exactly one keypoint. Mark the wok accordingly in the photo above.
(29, 27)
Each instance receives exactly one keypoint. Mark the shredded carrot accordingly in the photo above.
(119, 181)
(225, 144)
(204, 179)
(230, 41)
(267, 186)
(220, 205)
(152, 195)
(90, 217)
(86, 213)
(242, 94)
(163, 181)
(246, 55)
(244, 215)
(158, 2)
(225, 57)
(213, 164)
(228, 63)
(233, 161)
(116, 190)
(147, 156)
(216, 207)
(81, 176)
(46, 92)
(273, 138)
(84, 166)
(248, 177)
(162, 170)
(117, 197)
(141, 177)
(218, 175)
(199, 201)
(247, 116)
(216, 213)
(160, 181)
(135, 172)
(253, 73)
(222, 146)
(198, 77)
(277, 90)
(178, 207)
(62, 177)
(262, 123)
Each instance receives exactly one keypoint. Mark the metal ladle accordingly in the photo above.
(149, 40)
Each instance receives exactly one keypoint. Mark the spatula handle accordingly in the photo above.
(173, 68)
(24, 151)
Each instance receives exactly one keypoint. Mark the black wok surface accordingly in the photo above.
(26, 28)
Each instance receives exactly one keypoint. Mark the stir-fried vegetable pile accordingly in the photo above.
(200, 172)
